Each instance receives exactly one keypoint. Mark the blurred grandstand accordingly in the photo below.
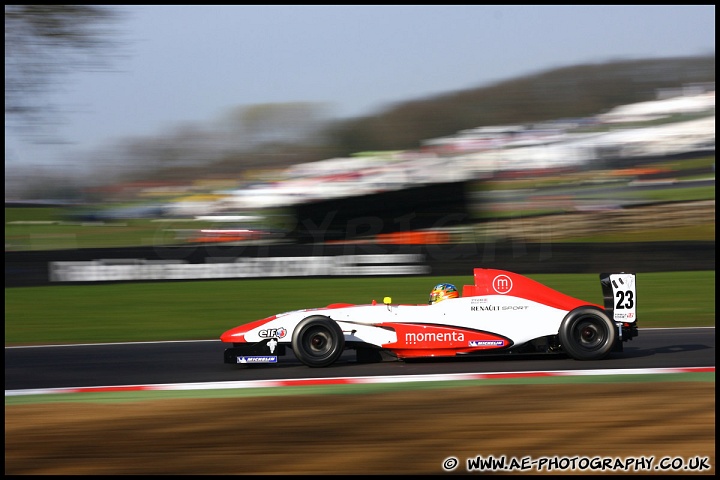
(343, 189)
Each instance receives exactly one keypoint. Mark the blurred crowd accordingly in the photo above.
(682, 122)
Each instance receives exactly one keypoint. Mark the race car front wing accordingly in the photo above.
(266, 351)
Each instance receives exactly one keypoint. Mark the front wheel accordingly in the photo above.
(587, 333)
(318, 341)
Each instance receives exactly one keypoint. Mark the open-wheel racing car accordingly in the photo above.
(503, 312)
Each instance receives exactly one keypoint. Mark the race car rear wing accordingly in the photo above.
(620, 296)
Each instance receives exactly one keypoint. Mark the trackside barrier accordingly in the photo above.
(34, 268)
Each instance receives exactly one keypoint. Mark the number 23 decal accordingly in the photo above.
(625, 300)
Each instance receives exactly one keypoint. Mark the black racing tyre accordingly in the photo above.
(587, 333)
(318, 341)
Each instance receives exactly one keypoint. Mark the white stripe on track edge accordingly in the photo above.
(354, 380)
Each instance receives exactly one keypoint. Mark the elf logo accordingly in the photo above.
(273, 333)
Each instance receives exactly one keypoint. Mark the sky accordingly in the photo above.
(193, 64)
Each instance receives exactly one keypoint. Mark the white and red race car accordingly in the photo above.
(503, 312)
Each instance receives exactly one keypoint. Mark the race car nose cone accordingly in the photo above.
(234, 335)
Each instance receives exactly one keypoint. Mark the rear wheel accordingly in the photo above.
(318, 341)
(587, 333)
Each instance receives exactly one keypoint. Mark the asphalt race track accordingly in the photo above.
(202, 361)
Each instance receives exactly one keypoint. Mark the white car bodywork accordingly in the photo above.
(502, 311)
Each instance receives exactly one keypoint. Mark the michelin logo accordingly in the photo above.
(263, 359)
(486, 343)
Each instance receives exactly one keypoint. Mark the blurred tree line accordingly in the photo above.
(570, 92)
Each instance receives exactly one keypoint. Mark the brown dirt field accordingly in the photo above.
(408, 432)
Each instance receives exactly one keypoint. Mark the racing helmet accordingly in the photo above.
(443, 291)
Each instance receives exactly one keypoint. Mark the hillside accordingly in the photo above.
(568, 92)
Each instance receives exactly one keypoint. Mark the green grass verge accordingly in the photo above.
(38, 232)
(689, 233)
(205, 309)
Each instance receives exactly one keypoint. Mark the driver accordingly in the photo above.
(443, 291)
